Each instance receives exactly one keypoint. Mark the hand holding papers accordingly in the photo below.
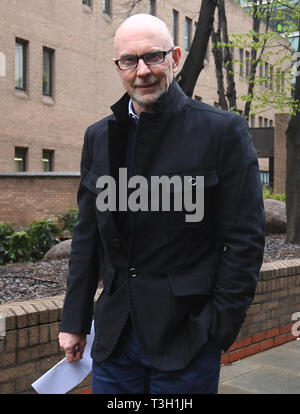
(64, 376)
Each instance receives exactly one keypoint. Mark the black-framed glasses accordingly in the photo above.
(151, 58)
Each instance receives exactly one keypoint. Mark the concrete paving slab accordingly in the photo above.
(274, 371)
(229, 389)
(281, 358)
(267, 380)
(237, 368)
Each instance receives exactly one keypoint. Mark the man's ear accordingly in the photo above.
(176, 58)
(115, 64)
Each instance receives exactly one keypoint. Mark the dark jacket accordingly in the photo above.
(182, 282)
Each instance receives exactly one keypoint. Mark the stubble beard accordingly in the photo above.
(147, 101)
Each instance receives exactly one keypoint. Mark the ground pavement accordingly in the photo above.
(274, 371)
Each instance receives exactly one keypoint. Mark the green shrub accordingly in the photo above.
(269, 193)
(19, 247)
(36, 240)
(43, 234)
(6, 230)
(68, 219)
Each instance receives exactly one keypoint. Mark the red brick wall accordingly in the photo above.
(269, 319)
(25, 197)
(30, 346)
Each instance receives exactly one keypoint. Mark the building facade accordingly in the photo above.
(57, 75)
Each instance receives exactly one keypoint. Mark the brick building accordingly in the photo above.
(57, 74)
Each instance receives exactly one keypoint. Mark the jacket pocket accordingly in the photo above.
(190, 283)
(197, 281)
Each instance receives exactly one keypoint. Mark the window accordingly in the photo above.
(106, 6)
(278, 80)
(261, 70)
(152, 7)
(20, 64)
(188, 33)
(2, 65)
(266, 122)
(198, 98)
(260, 121)
(247, 63)
(252, 120)
(175, 26)
(87, 2)
(282, 83)
(20, 159)
(241, 62)
(271, 124)
(47, 160)
(266, 74)
(271, 77)
(265, 178)
(48, 58)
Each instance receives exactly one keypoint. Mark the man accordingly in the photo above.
(176, 291)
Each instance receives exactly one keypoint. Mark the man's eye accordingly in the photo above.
(151, 56)
(129, 59)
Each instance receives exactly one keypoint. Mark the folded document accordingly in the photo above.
(64, 376)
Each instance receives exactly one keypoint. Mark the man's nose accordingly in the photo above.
(142, 69)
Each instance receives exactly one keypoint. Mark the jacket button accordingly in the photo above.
(132, 272)
(116, 242)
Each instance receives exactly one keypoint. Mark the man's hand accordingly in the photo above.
(73, 345)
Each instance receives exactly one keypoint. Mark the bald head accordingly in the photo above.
(143, 25)
(144, 35)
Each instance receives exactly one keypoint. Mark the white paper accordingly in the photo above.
(66, 375)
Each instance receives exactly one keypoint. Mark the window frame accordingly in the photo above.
(106, 7)
(24, 158)
(188, 27)
(152, 7)
(241, 66)
(24, 44)
(50, 160)
(50, 53)
(175, 26)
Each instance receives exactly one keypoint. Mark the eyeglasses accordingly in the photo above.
(151, 58)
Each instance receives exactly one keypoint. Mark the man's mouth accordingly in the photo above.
(148, 86)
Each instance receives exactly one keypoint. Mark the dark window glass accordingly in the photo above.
(188, 33)
(152, 7)
(106, 6)
(175, 25)
(47, 160)
(48, 71)
(20, 159)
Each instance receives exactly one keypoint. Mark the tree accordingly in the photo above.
(194, 62)
(288, 14)
(261, 45)
(284, 16)
(293, 169)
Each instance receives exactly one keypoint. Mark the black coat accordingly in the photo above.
(183, 282)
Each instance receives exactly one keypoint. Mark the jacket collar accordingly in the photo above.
(171, 102)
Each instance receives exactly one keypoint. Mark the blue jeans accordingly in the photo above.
(127, 371)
